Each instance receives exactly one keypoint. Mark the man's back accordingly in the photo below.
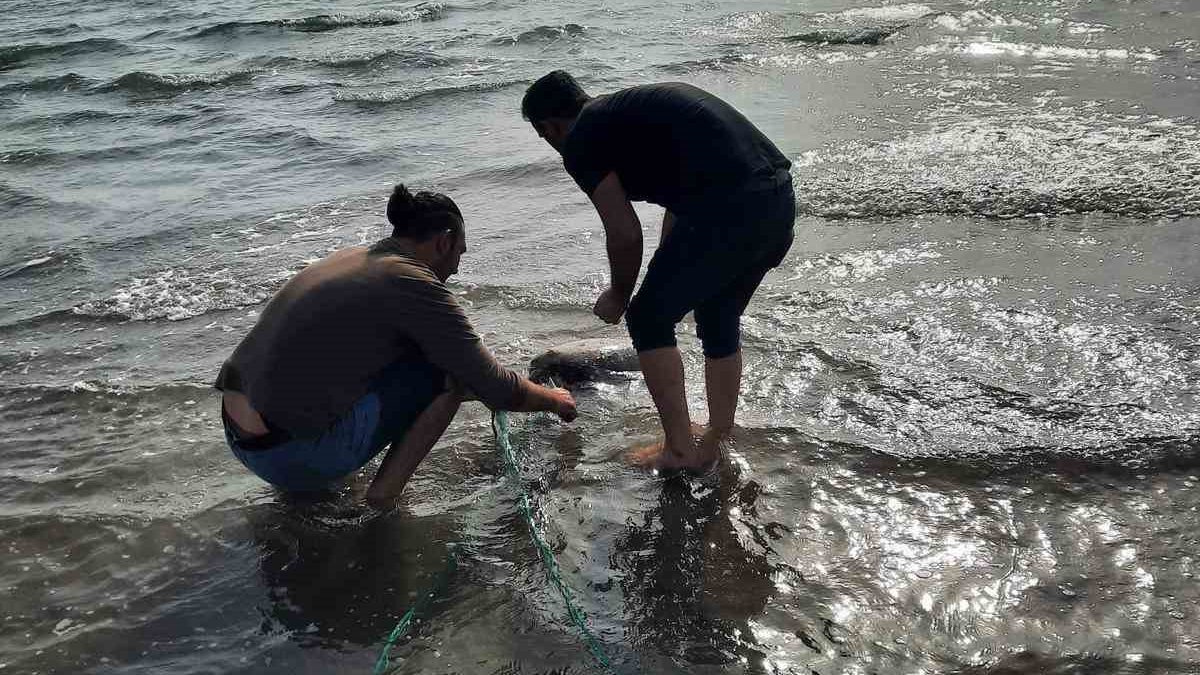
(341, 321)
(672, 144)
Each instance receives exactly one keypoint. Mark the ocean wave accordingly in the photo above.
(138, 82)
(858, 36)
(904, 12)
(397, 96)
(785, 61)
(17, 55)
(33, 320)
(327, 22)
(1038, 662)
(864, 264)
(68, 82)
(989, 48)
(152, 84)
(954, 422)
(47, 156)
(1010, 170)
(525, 173)
(542, 35)
(411, 59)
(977, 18)
(85, 116)
(27, 156)
(50, 259)
(175, 295)
(38, 396)
(554, 296)
(62, 29)
(714, 63)
(389, 57)
(1135, 453)
(809, 28)
(749, 25)
(12, 198)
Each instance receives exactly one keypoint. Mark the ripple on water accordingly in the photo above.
(1143, 168)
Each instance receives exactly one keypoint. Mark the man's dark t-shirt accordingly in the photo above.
(671, 144)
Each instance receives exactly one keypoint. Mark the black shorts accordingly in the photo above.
(712, 262)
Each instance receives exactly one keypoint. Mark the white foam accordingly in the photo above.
(742, 24)
(29, 264)
(175, 295)
(902, 12)
(978, 19)
(990, 48)
(797, 59)
(1012, 163)
(863, 265)
(1086, 28)
(36, 262)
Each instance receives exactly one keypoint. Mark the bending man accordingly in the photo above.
(363, 349)
(729, 216)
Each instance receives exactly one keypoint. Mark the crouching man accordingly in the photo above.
(367, 349)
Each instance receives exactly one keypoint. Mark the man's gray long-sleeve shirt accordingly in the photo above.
(334, 326)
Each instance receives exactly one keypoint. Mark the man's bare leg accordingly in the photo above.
(722, 383)
(404, 455)
(663, 370)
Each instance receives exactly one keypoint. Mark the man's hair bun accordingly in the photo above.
(420, 215)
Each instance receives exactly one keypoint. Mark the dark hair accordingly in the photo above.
(422, 215)
(555, 94)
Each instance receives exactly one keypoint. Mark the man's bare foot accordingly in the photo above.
(380, 503)
(714, 437)
(697, 458)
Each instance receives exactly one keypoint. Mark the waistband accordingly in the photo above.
(757, 189)
(273, 438)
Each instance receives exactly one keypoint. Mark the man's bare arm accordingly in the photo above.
(622, 234)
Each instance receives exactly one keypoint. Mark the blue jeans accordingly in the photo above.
(396, 397)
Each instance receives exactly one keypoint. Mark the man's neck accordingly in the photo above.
(409, 248)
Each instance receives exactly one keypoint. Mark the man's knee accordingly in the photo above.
(457, 391)
(649, 327)
(720, 335)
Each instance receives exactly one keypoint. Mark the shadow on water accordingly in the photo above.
(334, 577)
(1033, 663)
(691, 584)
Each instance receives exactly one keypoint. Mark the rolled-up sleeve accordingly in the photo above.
(431, 316)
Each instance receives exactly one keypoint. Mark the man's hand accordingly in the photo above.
(610, 306)
(564, 404)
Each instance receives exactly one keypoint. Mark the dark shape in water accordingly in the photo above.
(400, 97)
(1033, 663)
(319, 554)
(327, 22)
(584, 360)
(858, 36)
(691, 584)
(12, 198)
(542, 34)
(16, 56)
(152, 84)
(60, 83)
(351, 61)
(30, 265)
